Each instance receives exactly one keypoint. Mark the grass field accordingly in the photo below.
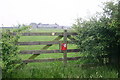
(56, 69)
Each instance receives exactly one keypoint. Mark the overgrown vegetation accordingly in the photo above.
(96, 37)
(100, 35)
(9, 52)
(57, 70)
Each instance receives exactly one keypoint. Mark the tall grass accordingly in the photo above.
(56, 70)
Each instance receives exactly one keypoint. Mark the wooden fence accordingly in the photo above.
(48, 44)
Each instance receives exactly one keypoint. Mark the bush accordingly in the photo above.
(98, 37)
(10, 50)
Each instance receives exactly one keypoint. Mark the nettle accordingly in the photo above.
(10, 50)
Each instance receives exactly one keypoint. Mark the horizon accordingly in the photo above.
(32, 22)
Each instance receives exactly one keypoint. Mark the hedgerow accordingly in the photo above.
(10, 51)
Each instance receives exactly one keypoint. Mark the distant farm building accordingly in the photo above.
(48, 26)
(40, 25)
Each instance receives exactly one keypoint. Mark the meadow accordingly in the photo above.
(56, 69)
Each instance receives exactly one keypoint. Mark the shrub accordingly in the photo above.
(100, 36)
(10, 50)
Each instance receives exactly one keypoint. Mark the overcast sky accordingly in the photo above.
(62, 12)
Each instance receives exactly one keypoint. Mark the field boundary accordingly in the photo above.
(47, 44)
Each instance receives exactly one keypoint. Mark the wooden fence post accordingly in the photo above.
(65, 51)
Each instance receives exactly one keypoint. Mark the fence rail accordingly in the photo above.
(49, 60)
(60, 59)
(46, 51)
(43, 42)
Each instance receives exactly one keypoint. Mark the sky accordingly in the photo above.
(62, 12)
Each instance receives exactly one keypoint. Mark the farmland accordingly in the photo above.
(56, 69)
(97, 40)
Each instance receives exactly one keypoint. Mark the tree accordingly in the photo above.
(97, 37)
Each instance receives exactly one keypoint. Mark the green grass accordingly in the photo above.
(56, 69)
